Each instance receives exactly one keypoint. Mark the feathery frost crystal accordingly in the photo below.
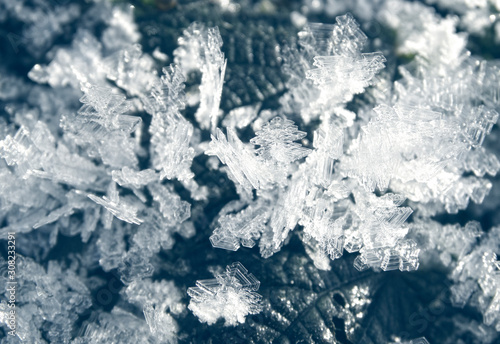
(116, 138)
(230, 295)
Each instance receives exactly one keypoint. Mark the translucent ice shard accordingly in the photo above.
(241, 228)
(162, 326)
(82, 63)
(121, 326)
(170, 132)
(199, 49)
(358, 69)
(120, 209)
(328, 143)
(170, 204)
(231, 296)
(34, 153)
(129, 177)
(425, 164)
(276, 142)
(477, 276)
(164, 295)
(131, 70)
(54, 295)
(101, 125)
(269, 163)
(244, 168)
(241, 117)
(328, 68)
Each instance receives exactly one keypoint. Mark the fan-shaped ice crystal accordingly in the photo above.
(230, 295)
(328, 56)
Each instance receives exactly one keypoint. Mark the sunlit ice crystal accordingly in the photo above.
(200, 49)
(241, 228)
(231, 295)
(328, 56)
(34, 153)
(122, 326)
(330, 69)
(242, 116)
(269, 163)
(171, 132)
(276, 141)
(131, 178)
(415, 167)
(244, 167)
(101, 124)
(120, 209)
(163, 295)
(477, 278)
(131, 70)
(161, 325)
(82, 63)
(52, 294)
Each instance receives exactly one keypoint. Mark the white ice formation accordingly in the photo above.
(355, 157)
(231, 295)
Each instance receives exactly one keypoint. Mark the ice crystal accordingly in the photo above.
(119, 209)
(242, 162)
(342, 155)
(131, 70)
(171, 132)
(345, 62)
(414, 160)
(241, 117)
(266, 165)
(200, 49)
(82, 63)
(101, 125)
(163, 295)
(241, 228)
(477, 277)
(326, 54)
(162, 326)
(122, 326)
(54, 295)
(231, 295)
(276, 141)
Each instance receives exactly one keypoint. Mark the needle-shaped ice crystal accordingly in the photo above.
(120, 209)
(200, 49)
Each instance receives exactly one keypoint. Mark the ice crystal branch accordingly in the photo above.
(170, 132)
(231, 296)
(199, 49)
(328, 54)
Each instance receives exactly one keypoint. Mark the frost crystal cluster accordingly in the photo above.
(142, 146)
(230, 295)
